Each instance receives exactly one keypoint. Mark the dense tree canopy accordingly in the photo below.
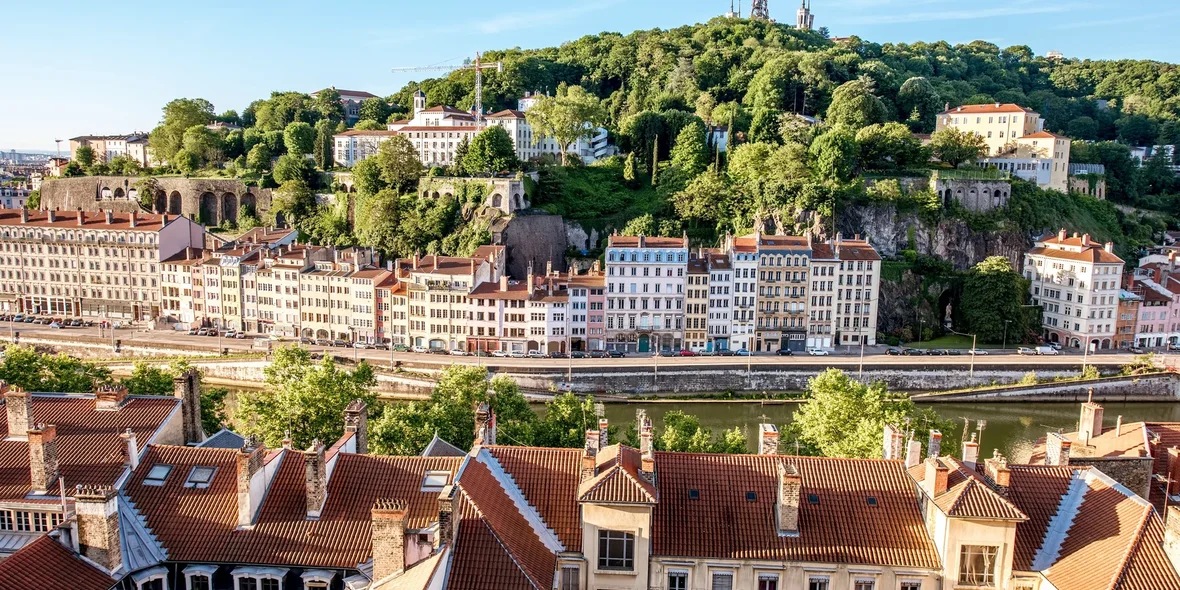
(993, 294)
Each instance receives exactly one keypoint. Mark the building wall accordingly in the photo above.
(632, 519)
(1080, 300)
(782, 298)
(639, 279)
(996, 129)
(205, 200)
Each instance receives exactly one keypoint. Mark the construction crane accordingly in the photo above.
(478, 65)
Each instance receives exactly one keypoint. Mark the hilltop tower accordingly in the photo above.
(731, 13)
(759, 10)
(803, 18)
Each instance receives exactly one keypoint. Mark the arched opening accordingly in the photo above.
(280, 220)
(229, 207)
(119, 194)
(497, 200)
(437, 344)
(208, 209)
(175, 203)
(104, 193)
(160, 203)
(946, 198)
(308, 333)
(448, 195)
(322, 334)
(1075, 343)
(435, 195)
(1105, 344)
(517, 203)
(249, 205)
(1053, 337)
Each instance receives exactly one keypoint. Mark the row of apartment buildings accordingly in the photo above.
(127, 492)
(757, 292)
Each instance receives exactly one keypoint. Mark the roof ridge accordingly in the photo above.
(513, 491)
(1133, 548)
(1060, 523)
(504, 547)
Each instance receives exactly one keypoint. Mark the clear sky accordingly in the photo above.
(79, 67)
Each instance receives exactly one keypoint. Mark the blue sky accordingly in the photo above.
(107, 67)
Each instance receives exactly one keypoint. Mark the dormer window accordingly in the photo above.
(200, 477)
(616, 550)
(977, 565)
(157, 475)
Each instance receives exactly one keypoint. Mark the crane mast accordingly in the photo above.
(478, 65)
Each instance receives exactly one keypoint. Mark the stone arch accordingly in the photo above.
(160, 202)
(322, 334)
(497, 200)
(1053, 337)
(425, 194)
(435, 195)
(229, 206)
(119, 194)
(249, 204)
(104, 193)
(448, 195)
(517, 203)
(208, 209)
(1105, 344)
(175, 203)
(280, 219)
(947, 197)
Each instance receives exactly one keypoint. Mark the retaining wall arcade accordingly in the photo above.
(209, 201)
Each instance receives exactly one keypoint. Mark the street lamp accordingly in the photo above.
(1006, 322)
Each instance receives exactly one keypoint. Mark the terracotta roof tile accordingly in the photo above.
(480, 561)
(46, 565)
(618, 479)
(616, 241)
(145, 222)
(841, 528)
(1038, 491)
(972, 109)
(1092, 254)
(548, 478)
(968, 495)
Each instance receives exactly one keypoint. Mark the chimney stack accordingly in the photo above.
(446, 521)
(503, 283)
(1061, 235)
(590, 454)
(315, 479)
(1090, 423)
(389, 538)
(790, 492)
(1056, 449)
(767, 439)
(356, 420)
(97, 510)
(52, 213)
(110, 398)
(132, 448)
(935, 480)
(934, 446)
(485, 425)
(530, 279)
(42, 457)
(134, 217)
(19, 406)
(1172, 535)
(249, 496)
(998, 472)
(110, 216)
(647, 455)
(186, 387)
(971, 452)
(603, 433)
(893, 442)
(24, 214)
(913, 453)
(81, 217)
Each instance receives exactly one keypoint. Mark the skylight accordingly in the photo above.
(694, 494)
(812, 498)
(435, 481)
(872, 501)
(200, 477)
(157, 474)
(751, 496)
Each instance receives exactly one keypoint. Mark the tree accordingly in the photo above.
(34, 200)
(684, 433)
(368, 125)
(84, 155)
(690, 153)
(566, 118)
(179, 116)
(629, 176)
(375, 109)
(366, 177)
(834, 154)
(889, 146)
(953, 146)
(259, 157)
(764, 128)
(854, 104)
(149, 379)
(490, 151)
(293, 167)
(461, 150)
(203, 143)
(1082, 128)
(294, 200)
(145, 190)
(213, 415)
(1137, 130)
(327, 105)
(918, 100)
(299, 137)
(304, 398)
(324, 130)
(845, 418)
(644, 225)
(400, 165)
(565, 421)
(186, 162)
(24, 367)
(377, 219)
(704, 198)
(993, 295)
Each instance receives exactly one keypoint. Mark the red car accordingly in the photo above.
(687, 352)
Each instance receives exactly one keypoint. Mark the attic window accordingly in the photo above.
(751, 496)
(200, 477)
(694, 494)
(872, 500)
(812, 499)
(157, 475)
(435, 481)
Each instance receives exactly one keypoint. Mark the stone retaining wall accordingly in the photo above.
(1153, 387)
(208, 201)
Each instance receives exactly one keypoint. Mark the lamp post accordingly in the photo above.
(352, 340)
(861, 369)
(1006, 322)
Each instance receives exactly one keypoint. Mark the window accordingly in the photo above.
(977, 565)
(722, 581)
(200, 477)
(434, 481)
(616, 550)
(817, 583)
(864, 584)
(677, 580)
(913, 585)
(569, 578)
(767, 581)
(157, 475)
(199, 582)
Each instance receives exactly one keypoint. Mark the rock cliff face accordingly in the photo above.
(891, 233)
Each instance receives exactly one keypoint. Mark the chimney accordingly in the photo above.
(893, 442)
(998, 472)
(1056, 449)
(1061, 234)
(934, 446)
(416, 261)
(24, 214)
(110, 216)
(446, 510)
(52, 213)
(132, 448)
(971, 452)
(485, 425)
(590, 454)
(315, 479)
(356, 420)
(249, 463)
(1085, 239)
(1109, 247)
(530, 279)
(1090, 424)
(110, 397)
(503, 283)
(97, 510)
(603, 429)
(1118, 426)
(790, 491)
(163, 219)
(647, 456)
(548, 268)
(19, 406)
(389, 538)
(134, 218)
(186, 387)
(767, 439)
(935, 479)
(81, 217)
(42, 457)
(913, 453)
(288, 442)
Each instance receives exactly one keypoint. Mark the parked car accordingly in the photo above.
(458, 352)
(401, 348)
(193, 331)
(516, 354)
(742, 352)
(667, 352)
(203, 332)
(891, 351)
(784, 352)
(211, 332)
(231, 333)
(598, 354)
(1047, 351)
(954, 352)
(439, 351)
(362, 345)
(1055, 345)
(557, 355)
(381, 346)
(817, 352)
(725, 352)
(418, 349)
(535, 354)
(935, 352)
(54, 326)
(977, 351)
(1024, 350)
(578, 354)
(615, 354)
(687, 352)
(500, 353)
(340, 343)
(323, 342)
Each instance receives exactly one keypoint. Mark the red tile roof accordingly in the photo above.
(616, 241)
(1092, 254)
(973, 109)
(1038, 490)
(146, 222)
(967, 495)
(366, 133)
(548, 478)
(1044, 135)
(841, 528)
(440, 264)
(45, 564)
(465, 128)
(89, 449)
(481, 562)
(617, 479)
(506, 114)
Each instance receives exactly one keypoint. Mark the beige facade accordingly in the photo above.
(1016, 142)
(696, 305)
(783, 270)
(846, 279)
(998, 124)
(437, 289)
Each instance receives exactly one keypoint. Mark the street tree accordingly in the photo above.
(993, 296)
(954, 146)
(566, 118)
(24, 367)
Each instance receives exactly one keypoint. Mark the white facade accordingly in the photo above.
(645, 293)
(744, 258)
(1076, 282)
(720, 301)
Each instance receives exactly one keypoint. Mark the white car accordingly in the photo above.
(817, 352)
(1024, 350)
(417, 348)
(516, 354)
(499, 353)
(536, 354)
(977, 351)
(458, 352)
